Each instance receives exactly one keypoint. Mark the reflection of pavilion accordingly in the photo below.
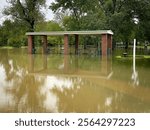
(135, 73)
(74, 67)
(69, 82)
(100, 75)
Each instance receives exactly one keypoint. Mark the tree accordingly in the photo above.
(3, 36)
(13, 33)
(77, 10)
(27, 11)
(128, 19)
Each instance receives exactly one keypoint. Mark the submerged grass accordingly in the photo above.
(131, 57)
(6, 47)
(10, 47)
(147, 57)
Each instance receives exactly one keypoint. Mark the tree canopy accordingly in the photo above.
(27, 11)
(127, 18)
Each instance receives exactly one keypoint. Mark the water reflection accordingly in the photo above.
(135, 73)
(57, 83)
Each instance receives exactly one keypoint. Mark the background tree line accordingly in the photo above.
(128, 19)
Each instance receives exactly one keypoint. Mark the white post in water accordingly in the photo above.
(134, 52)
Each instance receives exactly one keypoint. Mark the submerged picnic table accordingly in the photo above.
(106, 39)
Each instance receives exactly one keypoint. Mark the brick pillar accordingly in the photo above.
(30, 44)
(109, 43)
(104, 44)
(66, 44)
(76, 44)
(44, 42)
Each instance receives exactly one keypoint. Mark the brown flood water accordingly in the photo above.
(58, 83)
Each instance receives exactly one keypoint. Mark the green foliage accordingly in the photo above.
(17, 41)
(50, 26)
(27, 11)
(3, 37)
(77, 10)
(128, 19)
(13, 34)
